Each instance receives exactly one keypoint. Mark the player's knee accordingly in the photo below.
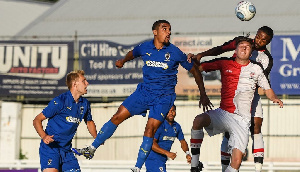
(200, 121)
(236, 162)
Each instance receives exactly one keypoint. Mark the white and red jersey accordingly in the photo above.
(262, 56)
(238, 84)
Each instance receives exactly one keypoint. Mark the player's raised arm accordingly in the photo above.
(272, 96)
(204, 100)
(129, 56)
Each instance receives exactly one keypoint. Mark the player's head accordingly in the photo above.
(162, 31)
(171, 115)
(263, 37)
(244, 48)
(76, 80)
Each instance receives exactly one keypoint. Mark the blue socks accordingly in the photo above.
(144, 151)
(105, 133)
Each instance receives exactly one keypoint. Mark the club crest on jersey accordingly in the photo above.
(252, 74)
(161, 169)
(81, 109)
(49, 161)
(175, 130)
(167, 56)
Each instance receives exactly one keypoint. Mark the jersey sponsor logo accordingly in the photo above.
(169, 138)
(228, 70)
(73, 119)
(157, 64)
(167, 56)
(149, 54)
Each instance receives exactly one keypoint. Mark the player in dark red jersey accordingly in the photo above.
(260, 54)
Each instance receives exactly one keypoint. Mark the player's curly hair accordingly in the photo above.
(73, 76)
(268, 31)
(157, 23)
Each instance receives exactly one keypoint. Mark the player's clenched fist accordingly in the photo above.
(119, 63)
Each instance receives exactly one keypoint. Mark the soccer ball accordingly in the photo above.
(245, 10)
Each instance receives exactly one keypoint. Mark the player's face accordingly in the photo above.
(163, 33)
(171, 115)
(81, 85)
(244, 50)
(261, 39)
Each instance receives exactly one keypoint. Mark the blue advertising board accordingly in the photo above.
(34, 69)
(97, 58)
(285, 74)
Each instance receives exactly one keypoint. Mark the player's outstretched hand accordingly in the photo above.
(48, 139)
(279, 102)
(171, 155)
(119, 63)
(205, 103)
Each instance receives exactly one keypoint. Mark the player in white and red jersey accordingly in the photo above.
(260, 54)
(239, 77)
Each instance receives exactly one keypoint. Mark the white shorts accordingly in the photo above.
(223, 121)
(256, 107)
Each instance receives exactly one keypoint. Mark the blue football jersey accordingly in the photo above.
(161, 66)
(165, 135)
(64, 115)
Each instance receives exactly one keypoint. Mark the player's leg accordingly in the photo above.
(145, 148)
(258, 143)
(50, 170)
(256, 135)
(110, 127)
(238, 130)
(49, 157)
(69, 161)
(158, 112)
(225, 156)
(197, 134)
(236, 160)
(134, 104)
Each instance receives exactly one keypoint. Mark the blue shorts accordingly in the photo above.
(54, 156)
(153, 165)
(142, 100)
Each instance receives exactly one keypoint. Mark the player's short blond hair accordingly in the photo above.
(73, 76)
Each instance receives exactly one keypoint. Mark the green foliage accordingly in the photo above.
(22, 156)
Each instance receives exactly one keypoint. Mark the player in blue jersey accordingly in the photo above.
(164, 138)
(64, 114)
(156, 93)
